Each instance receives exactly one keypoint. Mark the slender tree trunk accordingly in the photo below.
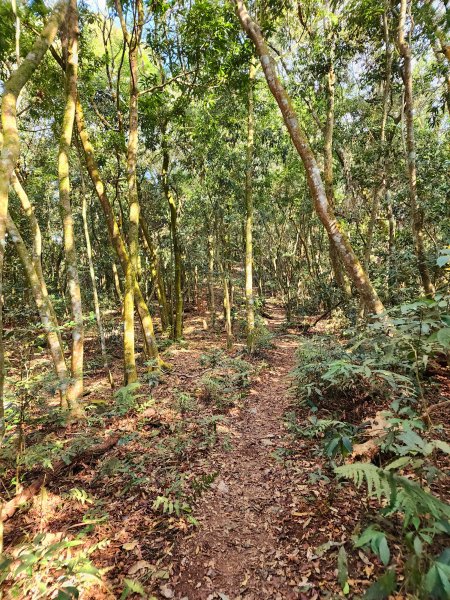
(75, 390)
(417, 216)
(178, 266)
(98, 316)
(226, 303)
(328, 169)
(36, 252)
(346, 253)
(157, 277)
(380, 190)
(224, 267)
(44, 307)
(391, 245)
(116, 281)
(211, 293)
(116, 238)
(249, 301)
(10, 147)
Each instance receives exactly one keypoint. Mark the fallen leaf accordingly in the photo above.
(166, 591)
(130, 545)
(139, 566)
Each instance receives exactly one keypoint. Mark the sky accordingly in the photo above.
(97, 5)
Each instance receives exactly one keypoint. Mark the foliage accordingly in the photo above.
(379, 363)
(225, 383)
(34, 564)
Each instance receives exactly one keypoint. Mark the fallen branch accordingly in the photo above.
(306, 327)
(9, 508)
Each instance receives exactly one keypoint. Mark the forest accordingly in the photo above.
(224, 299)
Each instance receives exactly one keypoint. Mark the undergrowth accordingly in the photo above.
(386, 367)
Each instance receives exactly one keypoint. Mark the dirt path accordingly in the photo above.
(235, 551)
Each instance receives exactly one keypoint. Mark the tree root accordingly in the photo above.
(9, 508)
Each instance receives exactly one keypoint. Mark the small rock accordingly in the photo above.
(266, 442)
(166, 591)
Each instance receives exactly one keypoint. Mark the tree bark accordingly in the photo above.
(347, 255)
(381, 185)
(36, 252)
(211, 292)
(249, 300)
(132, 40)
(178, 267)
(417, 215)
(75, 389)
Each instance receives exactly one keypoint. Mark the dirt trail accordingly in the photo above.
(235, 551)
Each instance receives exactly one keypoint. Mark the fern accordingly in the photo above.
(412, 500)
(378, 482)
(403, 495)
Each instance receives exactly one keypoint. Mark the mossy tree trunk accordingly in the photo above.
(115, 235)
(354, 269)
(75, 389)
(45, 309)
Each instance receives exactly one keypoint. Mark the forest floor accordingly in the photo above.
(207, 495)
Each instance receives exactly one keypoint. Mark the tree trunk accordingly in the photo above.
(10, 147)
(36, 244)
(75, 389)
(132, 41)
(249, 301)
(116, 279)
(380, 190)
(44, 307)
(417, 215)
(98, 316)
(116, 237)
(178, 290)
(328, 169)
(211, 293)
(346, 253)
(157, 277)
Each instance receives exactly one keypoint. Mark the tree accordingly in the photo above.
(417, 215)
(354, 268)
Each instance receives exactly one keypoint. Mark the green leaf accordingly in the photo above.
(343, 568)
(441, 445)
(418, 547)
(398, 463)
(443, 337)
(131, 585)
(437, 580)
(383, 550)
(441, 261)
(382, 588)
(347, 443)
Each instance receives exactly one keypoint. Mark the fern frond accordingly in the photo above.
(378, 483)
(412, 500)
